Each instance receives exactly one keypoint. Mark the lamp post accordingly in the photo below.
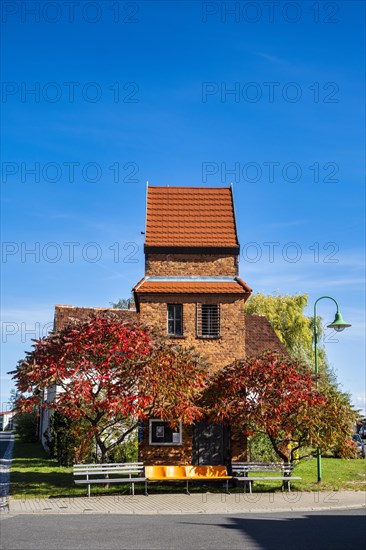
(338, 325)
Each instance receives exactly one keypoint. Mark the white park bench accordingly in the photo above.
(242, 473)
(126, 472)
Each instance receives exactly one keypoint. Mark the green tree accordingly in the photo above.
(124, 303)
(14, 396)
(26, 425)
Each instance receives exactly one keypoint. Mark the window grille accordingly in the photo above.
(208, 320)
(175, 319)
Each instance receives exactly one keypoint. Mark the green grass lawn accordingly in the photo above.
(34, 474)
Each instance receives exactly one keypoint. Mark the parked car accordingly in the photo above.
(362, 432)
(360, 445)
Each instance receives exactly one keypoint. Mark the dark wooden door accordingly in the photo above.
(211, 444)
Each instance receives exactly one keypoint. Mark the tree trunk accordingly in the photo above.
(103, 458)
(285, 484)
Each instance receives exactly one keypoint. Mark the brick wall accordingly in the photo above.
(219, 352)
(192, 264)
(166, 454)
(239, 445)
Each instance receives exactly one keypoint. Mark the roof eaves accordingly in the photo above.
(244, 285)
(141, 281)
(191, 249)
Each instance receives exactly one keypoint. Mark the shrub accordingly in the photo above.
(27, 426)
(68, 441)
(260, 449)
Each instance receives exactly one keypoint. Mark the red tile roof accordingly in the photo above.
(64, 315)
(190, 217)
(192, 287)
(260, 336)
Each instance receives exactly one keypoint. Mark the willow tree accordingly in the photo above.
(295, 329)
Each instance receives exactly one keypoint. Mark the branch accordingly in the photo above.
(277, 450)
(120, 439)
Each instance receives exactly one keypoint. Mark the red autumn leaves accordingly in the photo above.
(106, 369)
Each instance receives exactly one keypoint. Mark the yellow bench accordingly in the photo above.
(187, 473)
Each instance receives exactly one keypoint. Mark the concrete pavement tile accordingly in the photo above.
(205, 503)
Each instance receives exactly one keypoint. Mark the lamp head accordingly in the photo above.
(339, 324)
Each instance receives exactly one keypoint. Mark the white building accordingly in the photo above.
(7, 420)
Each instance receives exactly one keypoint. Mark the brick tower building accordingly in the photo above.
(192, 292)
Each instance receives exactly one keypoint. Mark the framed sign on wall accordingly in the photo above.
(161, 433)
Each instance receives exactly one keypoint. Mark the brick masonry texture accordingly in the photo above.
(192, 264)
(166, 454)
(238, 443)
(219, 352)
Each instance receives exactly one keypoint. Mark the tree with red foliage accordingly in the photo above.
(278, 396)
(111, 373)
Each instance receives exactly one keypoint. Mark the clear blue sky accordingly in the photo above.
(120, 98)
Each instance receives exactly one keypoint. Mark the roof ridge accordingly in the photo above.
(188, 187)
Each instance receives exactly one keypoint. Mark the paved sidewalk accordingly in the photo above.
(205, 503)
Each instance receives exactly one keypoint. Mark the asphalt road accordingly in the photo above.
(6, 445)
(333, 530)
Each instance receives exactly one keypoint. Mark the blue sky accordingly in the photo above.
(270, 97)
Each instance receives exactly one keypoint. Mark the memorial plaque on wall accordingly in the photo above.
(161, 433)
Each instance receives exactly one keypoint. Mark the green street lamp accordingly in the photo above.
(338, 324)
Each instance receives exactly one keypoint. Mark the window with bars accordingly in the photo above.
(175, 320)
(208, 320)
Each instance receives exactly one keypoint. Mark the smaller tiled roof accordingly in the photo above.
(260, 336)
(64, 315)
(186, 217)
(192, 285)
